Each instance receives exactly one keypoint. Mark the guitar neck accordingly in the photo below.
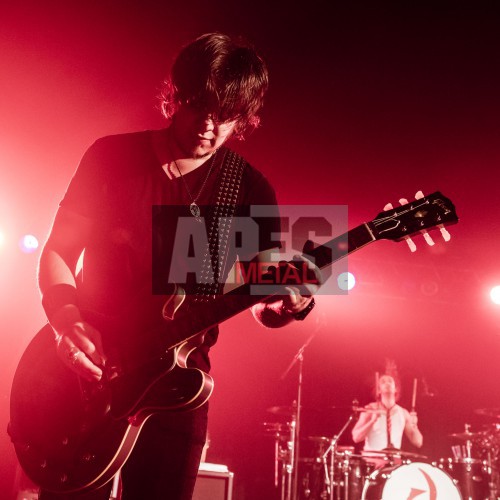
(226, 306)
(338, 248)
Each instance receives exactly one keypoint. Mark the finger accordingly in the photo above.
(294, 297)
(74, 341)
(75, 359)
(102, 358)
(88, 339)
(315, 275)
(85, 367)
(317, 271)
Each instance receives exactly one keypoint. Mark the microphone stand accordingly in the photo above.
(332, 449)
(296, 441)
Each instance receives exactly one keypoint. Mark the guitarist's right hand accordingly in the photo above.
(79, 346)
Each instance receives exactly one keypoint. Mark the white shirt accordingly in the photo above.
(376, 439)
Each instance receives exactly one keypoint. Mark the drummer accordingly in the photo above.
(382, 425)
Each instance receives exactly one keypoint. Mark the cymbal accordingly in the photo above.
(467, 436)
(319, 439)
(488, 412)
(391, 452)
(344, 448)
(276, 427)
(283, 410)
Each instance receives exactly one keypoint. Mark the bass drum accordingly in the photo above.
(415, 480)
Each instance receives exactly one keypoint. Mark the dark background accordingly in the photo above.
(367, 104)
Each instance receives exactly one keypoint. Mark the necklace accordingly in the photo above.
(194, 207)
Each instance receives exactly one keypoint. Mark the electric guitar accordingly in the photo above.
(73, 436)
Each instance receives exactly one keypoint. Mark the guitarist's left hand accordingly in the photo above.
(300, 296)
(280, 310)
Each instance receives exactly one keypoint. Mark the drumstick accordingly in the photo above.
(414, 397)
(376, 385)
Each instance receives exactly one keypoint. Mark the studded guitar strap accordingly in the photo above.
(220, 219)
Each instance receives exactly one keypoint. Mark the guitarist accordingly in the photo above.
(99, 251)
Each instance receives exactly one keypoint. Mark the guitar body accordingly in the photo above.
(71, 435)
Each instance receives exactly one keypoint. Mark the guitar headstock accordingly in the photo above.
(416, 217)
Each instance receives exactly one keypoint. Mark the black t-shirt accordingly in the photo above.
(117, 184)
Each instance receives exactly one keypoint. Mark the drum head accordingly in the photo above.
(415, 480)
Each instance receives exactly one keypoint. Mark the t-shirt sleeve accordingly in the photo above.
(87, 191)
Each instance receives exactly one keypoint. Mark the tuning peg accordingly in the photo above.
(446, 235)
(444, 232)
(427, 237)
(411, 244)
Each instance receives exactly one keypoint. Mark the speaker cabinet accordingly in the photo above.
(215, 482)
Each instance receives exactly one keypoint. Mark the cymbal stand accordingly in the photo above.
(286, 455)
(332, 449)
(295, 452)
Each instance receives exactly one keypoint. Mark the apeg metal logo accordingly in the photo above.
(188, 251)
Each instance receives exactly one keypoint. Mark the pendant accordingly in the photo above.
(195, 211)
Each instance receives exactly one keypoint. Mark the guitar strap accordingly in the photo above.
(220, 219)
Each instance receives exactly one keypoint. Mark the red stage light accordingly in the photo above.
(28, 243)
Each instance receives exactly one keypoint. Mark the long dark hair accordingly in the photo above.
(221, 75)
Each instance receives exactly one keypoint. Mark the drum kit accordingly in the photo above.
(327, 471)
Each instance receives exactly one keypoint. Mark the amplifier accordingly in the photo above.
(215, 482)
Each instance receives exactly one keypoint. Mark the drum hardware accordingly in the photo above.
(407, 480)
(284, 443)
(491, 439)
(474, 466)
(472, 477)
(276, 428)
(332, 450)
(353, 470)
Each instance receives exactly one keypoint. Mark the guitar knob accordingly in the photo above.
(88, 457)
(63, 478)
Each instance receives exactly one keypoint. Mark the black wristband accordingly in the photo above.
(58, 296)
(301, 315)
